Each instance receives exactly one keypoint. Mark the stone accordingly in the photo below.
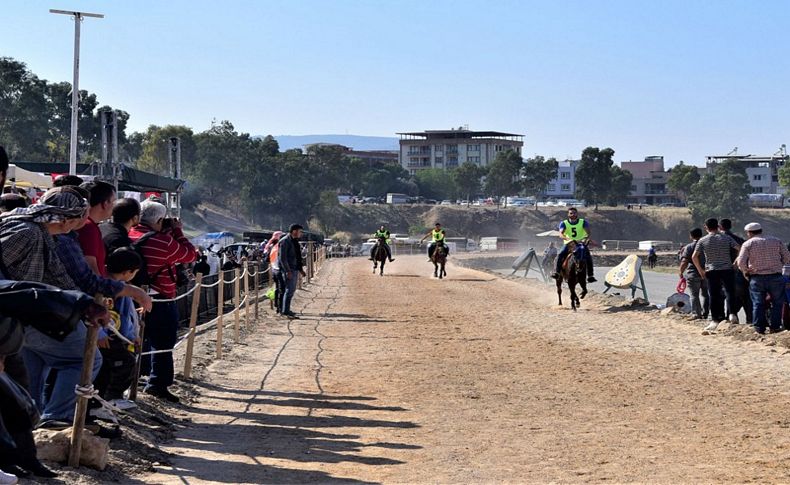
(54, 446)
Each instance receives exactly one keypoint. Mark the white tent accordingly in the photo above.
(26, 178)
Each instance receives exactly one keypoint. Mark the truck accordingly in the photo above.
(393, 198)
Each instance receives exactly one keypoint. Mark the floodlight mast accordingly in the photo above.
(75, 87)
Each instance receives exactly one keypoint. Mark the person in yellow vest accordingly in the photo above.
(383, 232)
(574, 229)
(436, 235)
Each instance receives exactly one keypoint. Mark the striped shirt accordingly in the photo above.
(763, 255)
(162, 252)
(716, 249)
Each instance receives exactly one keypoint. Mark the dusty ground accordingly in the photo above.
(478, 379)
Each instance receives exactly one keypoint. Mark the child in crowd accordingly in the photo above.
(115, 375)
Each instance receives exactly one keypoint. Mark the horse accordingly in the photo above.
(652, 260)
(574, 271)
(439, 260)
(379, 255)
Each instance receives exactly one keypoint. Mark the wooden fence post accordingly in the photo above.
(86, 378)
(256, 289)
(247, 295)
(220, 311)
(138, 357)
(237, 301)
(192, 323)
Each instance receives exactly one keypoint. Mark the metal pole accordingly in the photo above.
(75, 96)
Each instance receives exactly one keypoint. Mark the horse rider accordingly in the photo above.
(384, 233)
(437, 235)
(577, 230)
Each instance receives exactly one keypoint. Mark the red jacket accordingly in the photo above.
(162, 252)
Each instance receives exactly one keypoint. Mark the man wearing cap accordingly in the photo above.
(761, 259)
(163, 248)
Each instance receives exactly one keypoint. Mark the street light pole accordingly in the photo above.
(75, 86)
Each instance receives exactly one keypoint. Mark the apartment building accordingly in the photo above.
(762, 170)
(564, 185)
(447, 149)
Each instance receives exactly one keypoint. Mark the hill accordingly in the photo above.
(356, 142)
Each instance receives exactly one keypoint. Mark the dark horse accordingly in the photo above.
(652, 260)
(439, 260)
(379, 255)
(574, 271)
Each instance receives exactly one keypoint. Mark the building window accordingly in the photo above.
(438, 148)
(472, 148)
(451, 148)
(439, 159)
(633, 188)
(757, 177)
(757, 190)
(473, 159)
(565, 175)
(551, 188)
(565, 187)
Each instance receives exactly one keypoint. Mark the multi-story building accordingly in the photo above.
(370, 157)
(649, 185)
(762, 171)
(447, 149)
(564, 186)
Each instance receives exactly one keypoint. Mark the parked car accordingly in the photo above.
(447, 202)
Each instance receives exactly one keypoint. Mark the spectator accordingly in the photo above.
(115, 233)
(272, 251)
(696, 283)
(717, 269)
(118, 358)
(202, 266)
(101, 199)
(28, 254)
(67, 181)
(9, 202)
(742, 298)
(165, 246)
(291, 264)
(761, 259)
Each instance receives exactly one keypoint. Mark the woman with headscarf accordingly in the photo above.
(270, 252)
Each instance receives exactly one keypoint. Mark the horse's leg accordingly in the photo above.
(435, 269)
(559, 289)
(382, 267)
(583, 284)
(574, 298)
(443, 266)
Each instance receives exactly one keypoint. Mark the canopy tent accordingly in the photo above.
(130, 179)
(27, 179)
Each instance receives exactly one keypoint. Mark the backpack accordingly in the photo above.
(143, 278)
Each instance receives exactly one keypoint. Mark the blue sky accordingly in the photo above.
(681, 79)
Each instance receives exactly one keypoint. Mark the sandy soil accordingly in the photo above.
(479, 379)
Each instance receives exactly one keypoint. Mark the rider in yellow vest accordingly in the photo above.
(574, 229)
(383, 232)
(437, 235)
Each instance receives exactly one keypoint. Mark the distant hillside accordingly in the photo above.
(356, 142)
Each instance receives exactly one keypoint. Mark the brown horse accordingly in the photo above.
(379, 255)
(439, 260)
(574, 271)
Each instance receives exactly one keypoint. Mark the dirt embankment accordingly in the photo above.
(670, 224)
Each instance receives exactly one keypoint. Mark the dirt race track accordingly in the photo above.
(477, 379)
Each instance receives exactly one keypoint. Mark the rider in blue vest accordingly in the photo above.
(574, 229)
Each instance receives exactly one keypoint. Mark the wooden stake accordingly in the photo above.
(236, 292)
(138, 357)
(256, 289)
(192, 323)
(86, 378)
(220, 311)
(247, 295)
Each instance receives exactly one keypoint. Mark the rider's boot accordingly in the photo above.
(591, 279)
(555, 275)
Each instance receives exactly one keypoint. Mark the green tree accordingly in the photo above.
(538, 172)
(620, 186)
(23, 112)
(594, 175)
(467, 180)
(681, 179)
(723, 193)
(436, 183)
(155, 149)
(503, 174)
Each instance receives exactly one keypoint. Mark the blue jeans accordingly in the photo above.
(290, 290)
(161, 333)
(42, 354)
(759, 287)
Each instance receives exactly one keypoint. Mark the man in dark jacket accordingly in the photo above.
(115, 233)
(291, 264)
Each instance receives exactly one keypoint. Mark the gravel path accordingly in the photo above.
(476, 379)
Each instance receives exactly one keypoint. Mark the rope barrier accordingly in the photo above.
(89, 392)
(166, 300)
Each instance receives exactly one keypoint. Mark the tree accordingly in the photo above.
(436, 183)
(723, 193)
(593, 175)
(681, 179)
(155, 148)
(538, 172)
(503, 174)
(620, 186)
(467, 179)
(784, 175)
(23, 112)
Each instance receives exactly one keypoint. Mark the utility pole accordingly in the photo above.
(75, 86)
